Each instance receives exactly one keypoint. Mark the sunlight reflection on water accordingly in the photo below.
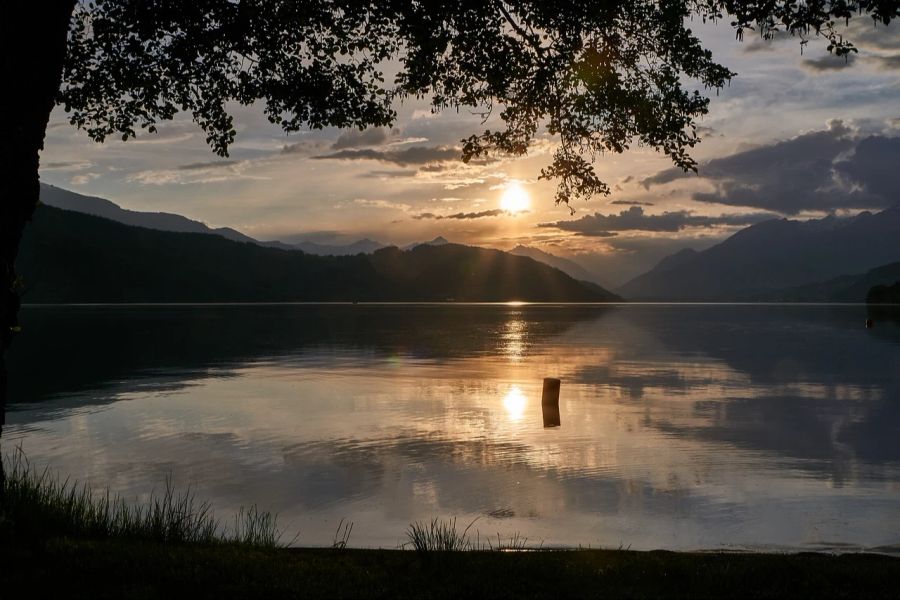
(682, 427)
(514, 403)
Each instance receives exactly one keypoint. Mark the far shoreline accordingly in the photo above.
(511, 303)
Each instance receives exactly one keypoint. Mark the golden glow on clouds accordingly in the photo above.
(515, 199)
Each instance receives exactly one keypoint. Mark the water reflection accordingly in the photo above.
(686, 427)
(550, 415)
(513, 340)
(514, 403)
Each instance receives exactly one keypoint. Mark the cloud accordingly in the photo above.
(423, 113)
(416, 155)
(203, 172)
(824, 170)
(870, 36)
(353, 138)
(305, 147)
(631, 203)
(635, 219)
(471, 215)
(707, 132)
(756, 43)
(829, 62)
(382, 174)
(207, 165)
(84, 179)
(874, 166)
(382, 204)
(890, 62)
(67, 165)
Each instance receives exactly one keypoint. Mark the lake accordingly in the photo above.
(682, 426)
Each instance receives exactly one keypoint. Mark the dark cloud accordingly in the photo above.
(756, 43)
(471, 215)
(829, 62)
(822, 170)
(66, 165)
(874, 164)
(631, 203)
(869, 35)
(207, 165)
(390, 174)
(305, 147)
(634, 219)
(416, 155)
(353, 138)
(891, 62)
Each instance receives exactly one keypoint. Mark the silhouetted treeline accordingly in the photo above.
(884, 294)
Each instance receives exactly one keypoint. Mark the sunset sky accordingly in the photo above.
(796, 135)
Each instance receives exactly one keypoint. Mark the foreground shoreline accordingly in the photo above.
(59, 539)
(114, 568)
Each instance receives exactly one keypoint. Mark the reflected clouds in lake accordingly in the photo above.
(682, 426)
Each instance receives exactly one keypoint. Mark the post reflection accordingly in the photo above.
(551, 416)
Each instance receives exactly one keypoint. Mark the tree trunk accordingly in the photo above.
(33, 37)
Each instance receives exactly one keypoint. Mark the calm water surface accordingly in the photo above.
(683, 427)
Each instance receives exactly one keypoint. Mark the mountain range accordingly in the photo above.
(822, 260)
(100, 207)
(779, 259)
(569, 267)
(72, 257)
(161, 221)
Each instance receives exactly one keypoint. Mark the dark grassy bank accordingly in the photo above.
(59, 540)
(74, 568)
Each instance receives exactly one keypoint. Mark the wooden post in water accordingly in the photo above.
(550, 402)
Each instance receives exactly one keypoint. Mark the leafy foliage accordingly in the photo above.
(599, 75)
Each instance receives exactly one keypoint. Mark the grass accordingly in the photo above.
(61, 540)
(38, 505)
(439, 535)
(342, 535)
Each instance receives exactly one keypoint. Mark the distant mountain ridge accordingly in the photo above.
(68, 200)
(72, 257)
(161, 221)
(846, 288)
(438, 241)
(761, 261)
(570, 268)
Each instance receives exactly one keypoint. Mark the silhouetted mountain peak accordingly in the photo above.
(772, 255)
(160, 221)
(70, 257)
(438, 241)
(364, 246)
(679, 258)
(565, 265)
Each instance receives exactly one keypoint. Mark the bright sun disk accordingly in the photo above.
(515, 199)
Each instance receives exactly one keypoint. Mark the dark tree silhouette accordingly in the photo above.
(601, 75)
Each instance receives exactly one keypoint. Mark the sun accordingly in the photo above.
(515, 199)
